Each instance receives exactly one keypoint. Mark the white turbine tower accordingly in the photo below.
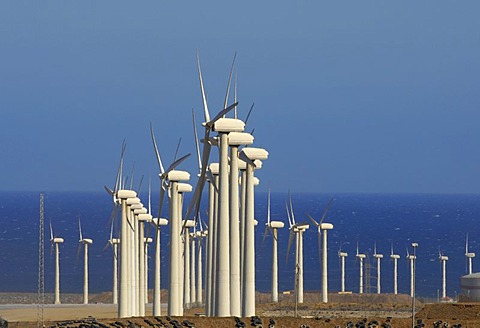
(156, 286)
(56, 241)
(147, 242)
(360, 258)
(273, 227)
(342, 256)
(298, 230)
(86, 242)
(444, 260)
(193, 269)
(395, 258)
(411, 259)
(322, 230)
(186, 262)
(378, 257)
(469, 256)
(249, 155)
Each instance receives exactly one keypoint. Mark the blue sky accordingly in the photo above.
(350, 96)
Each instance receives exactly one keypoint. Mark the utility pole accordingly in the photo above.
(41, 266)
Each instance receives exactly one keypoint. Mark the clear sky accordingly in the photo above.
(350, 96)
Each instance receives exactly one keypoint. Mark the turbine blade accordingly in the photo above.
(197, 146)
(222, 113)
(268, 207)
(291, 210)
(131, 179)
(244, 158)
(313, 220)
(160, 165)
(178, 147)
(202, 89)
(235, 115)
(120, 167)
(149, 195)
(229, 81)
(80, 229)
(109, 191)
(160, 199)
(288, 215)
(113, 215)
(290, 239)
(329, 204)
(265, 234)
(177, 162)
(51, 231)
(140, 185)
(249, 113)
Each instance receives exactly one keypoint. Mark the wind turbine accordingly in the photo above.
(86, 242)
(175, 307)
(186, 263)
(298, 230)
(360, 258)
(273, 227)
(444, 260)
(342, 256)
(147, 241)
(395, 258)
(249, 155)
(378, 257)
(201, 234)
(113, 242)
(156, 287)
(193, 254)
(411, 259)
(324, 227)
(56, 241)
(469, 256)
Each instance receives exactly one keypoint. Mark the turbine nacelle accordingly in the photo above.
(226, 125)
(86, 241)
(57, 240)
(139, 211)
(214, 168)
(114, 241)
(255, 153)
(144, 217)
(189, 224)
(443, 258)
(177, 175)
(184, 187)
(361, 256)
(325, 226)
(394, 256)
(147, 240)
(275, 224)
(378, 256)
(133, 200)
(342, 254)
(239, 138)
(125, 194)
(160, 222)
(470, 255)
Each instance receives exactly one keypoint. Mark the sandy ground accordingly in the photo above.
(394, 310)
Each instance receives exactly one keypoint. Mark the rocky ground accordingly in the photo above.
(378, 310)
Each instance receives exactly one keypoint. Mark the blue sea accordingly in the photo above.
(437, 222)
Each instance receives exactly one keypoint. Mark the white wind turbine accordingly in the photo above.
(113, 242)
(469, 256)
(444, 260)
(378, 257)
(56, 241)
(201, 234)
(324, 227)
(86, 242)
(298, 230)
(175, 308)
(249, 155)
(147, 242)
(395, 258)
(223, 126)
(360, 258)
(273, 227)
(411, 259)
(342, 256)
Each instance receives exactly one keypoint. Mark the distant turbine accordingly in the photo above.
(411, 259)
(86, 242)
(395, 258)
(114, 243)
(342, 256)
(378, 257)
(273, 227)
(298, 230)
(156, 287)
(324, 227)
(193, 255)
(142, 218)
(444, 260)
(147, 241)
(469, 256)
(56, 241)
(360, 258)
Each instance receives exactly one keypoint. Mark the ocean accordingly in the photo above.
(438, 222)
